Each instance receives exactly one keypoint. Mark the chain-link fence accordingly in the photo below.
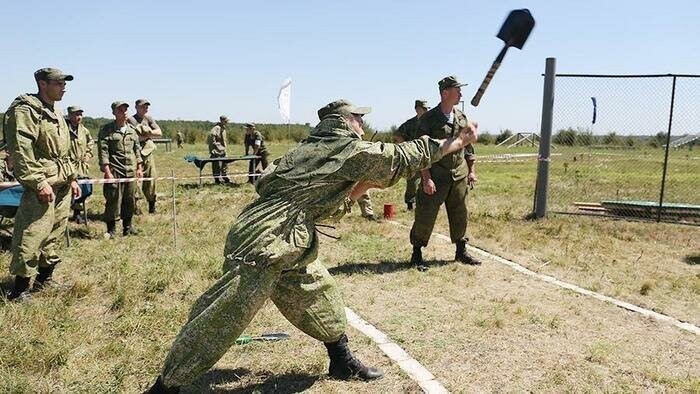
(626, 146)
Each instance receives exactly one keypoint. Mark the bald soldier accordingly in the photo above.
(217, 148)
(445, 182)
(272, 248)
(39, 145)
(406, 132)
(81, 146)
(119, 155)
(147, 129)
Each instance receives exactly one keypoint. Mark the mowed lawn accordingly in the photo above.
(483, 328)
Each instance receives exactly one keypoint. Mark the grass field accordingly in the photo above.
(484, 328)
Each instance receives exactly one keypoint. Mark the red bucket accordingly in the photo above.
(388, 211)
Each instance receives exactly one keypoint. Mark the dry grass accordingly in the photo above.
(476, 329)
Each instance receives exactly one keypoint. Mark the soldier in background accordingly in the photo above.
(406, 132)
(147, 129)
(217, 148)
(180, 139)
(254, 141)
(119, 155)
(81, 145)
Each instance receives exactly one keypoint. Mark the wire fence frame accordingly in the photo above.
(659, 212)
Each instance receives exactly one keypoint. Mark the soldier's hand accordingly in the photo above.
(108, 175)
(75, 190)
(45, 194)
(429, 187)
(469, 134)
(471, 179)
(139, 173)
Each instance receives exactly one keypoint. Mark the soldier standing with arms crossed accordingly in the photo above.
(147, 129)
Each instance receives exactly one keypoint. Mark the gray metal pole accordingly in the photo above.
(545, 139)
(668, 147)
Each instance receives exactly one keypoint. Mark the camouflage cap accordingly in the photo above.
(118, 104)
(249, 125)
(421, 103)
(142, 102)
(223, 119)
(51, 74)
(342, 107)
(74, 108)
(450, 82)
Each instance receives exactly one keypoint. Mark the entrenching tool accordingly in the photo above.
(514, 32)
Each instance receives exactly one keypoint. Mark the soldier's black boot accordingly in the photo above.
(128, 228)
(45, 278)
(20, 291)
(417, 259)
(409, 205)
(151, 207)
(345, 366)
(111, 229)
(159, 388)
(463, 256)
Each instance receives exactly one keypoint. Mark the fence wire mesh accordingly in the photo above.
(627, 146)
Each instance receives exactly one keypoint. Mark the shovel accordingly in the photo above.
(514, 32)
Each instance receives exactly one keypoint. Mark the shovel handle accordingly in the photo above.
(489, 76)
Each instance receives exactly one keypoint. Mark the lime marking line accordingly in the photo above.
(408, 364)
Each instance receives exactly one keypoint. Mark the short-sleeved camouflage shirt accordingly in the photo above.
(436, 125)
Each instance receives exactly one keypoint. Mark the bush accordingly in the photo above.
(611, 139)
(504, 135)
(585, 138)
(566, 137)
(485, 139)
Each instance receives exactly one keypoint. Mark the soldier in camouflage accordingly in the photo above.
(272, 248)
(81, 145)
(446, 181)
(406, 132)
(253, 141)
(217, 148)
(39, 143)
(147, 129)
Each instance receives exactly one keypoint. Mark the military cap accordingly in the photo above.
(421, 103)
(51, 74)
(450, 82)
(74, 108)
(249, 125)
(342, 107)
(118, 104)
(223, 119)
(142, 101)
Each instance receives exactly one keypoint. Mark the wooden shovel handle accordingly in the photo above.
(489, 76)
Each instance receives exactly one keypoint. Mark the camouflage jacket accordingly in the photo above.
(144, 126)
(81, 144)
(217, 140)
(38, 140)
(250, 140)
(409, 129)
(434, 124)
(120, 150)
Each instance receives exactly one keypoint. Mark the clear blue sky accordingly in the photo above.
(199, 59)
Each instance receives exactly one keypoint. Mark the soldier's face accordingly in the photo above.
(75, 117)
(356, 122)
(453, 95)
(420, 111)
(142, 109)
(121, 113)
(54, 90)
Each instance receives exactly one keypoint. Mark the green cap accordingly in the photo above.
(421, 103)
(51, 74)
(142, 102)
(450, 82)
(342, 107)
(74, 108)
(249, 125)
(118, 104)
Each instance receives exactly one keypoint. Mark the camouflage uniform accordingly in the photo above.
(39, 143)
(122, 152)
(272, 248)
(217, 148)
(450, 177)
(180, 139)
(81, 145)
(252, 141)
(144, 126)
(6, 175)
(409, 131)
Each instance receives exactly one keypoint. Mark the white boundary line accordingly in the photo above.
(550, 279)
(411, 366)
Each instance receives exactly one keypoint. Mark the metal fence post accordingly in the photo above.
(668, 148)
(545, 139)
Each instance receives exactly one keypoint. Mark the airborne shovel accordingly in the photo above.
(514, 32)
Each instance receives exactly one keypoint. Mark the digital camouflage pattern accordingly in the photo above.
(409, 131)
(38, 141)
(145, 126)
(450, 177)
(271, 250)
(122, 152)
(81, 146)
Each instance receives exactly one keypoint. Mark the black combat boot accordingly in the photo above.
(20, 292)
(151, 207)
(128, 228)
(345, 366)
(463, 256)
(409, 206)
(417, 259)
(111, 229)
(159, 388)
(45, 278)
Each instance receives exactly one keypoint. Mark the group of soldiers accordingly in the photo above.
(253, 142)
(271, 251)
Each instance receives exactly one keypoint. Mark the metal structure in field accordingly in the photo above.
(628, 146)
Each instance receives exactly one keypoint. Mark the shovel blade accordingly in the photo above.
(516, 28)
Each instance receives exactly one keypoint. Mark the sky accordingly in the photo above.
(197, 60)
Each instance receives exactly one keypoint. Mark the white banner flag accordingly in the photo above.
(283, 99)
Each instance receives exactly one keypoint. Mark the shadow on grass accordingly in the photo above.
(382, 267)
(82, 232)
(284, 384)
(693, 259)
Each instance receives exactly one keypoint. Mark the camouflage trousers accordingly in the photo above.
(149, 171)
(451, 193)
(219, 169)
(365, 203)
(119, 200)
(39, 227)
(306, 295)
(412, 185)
